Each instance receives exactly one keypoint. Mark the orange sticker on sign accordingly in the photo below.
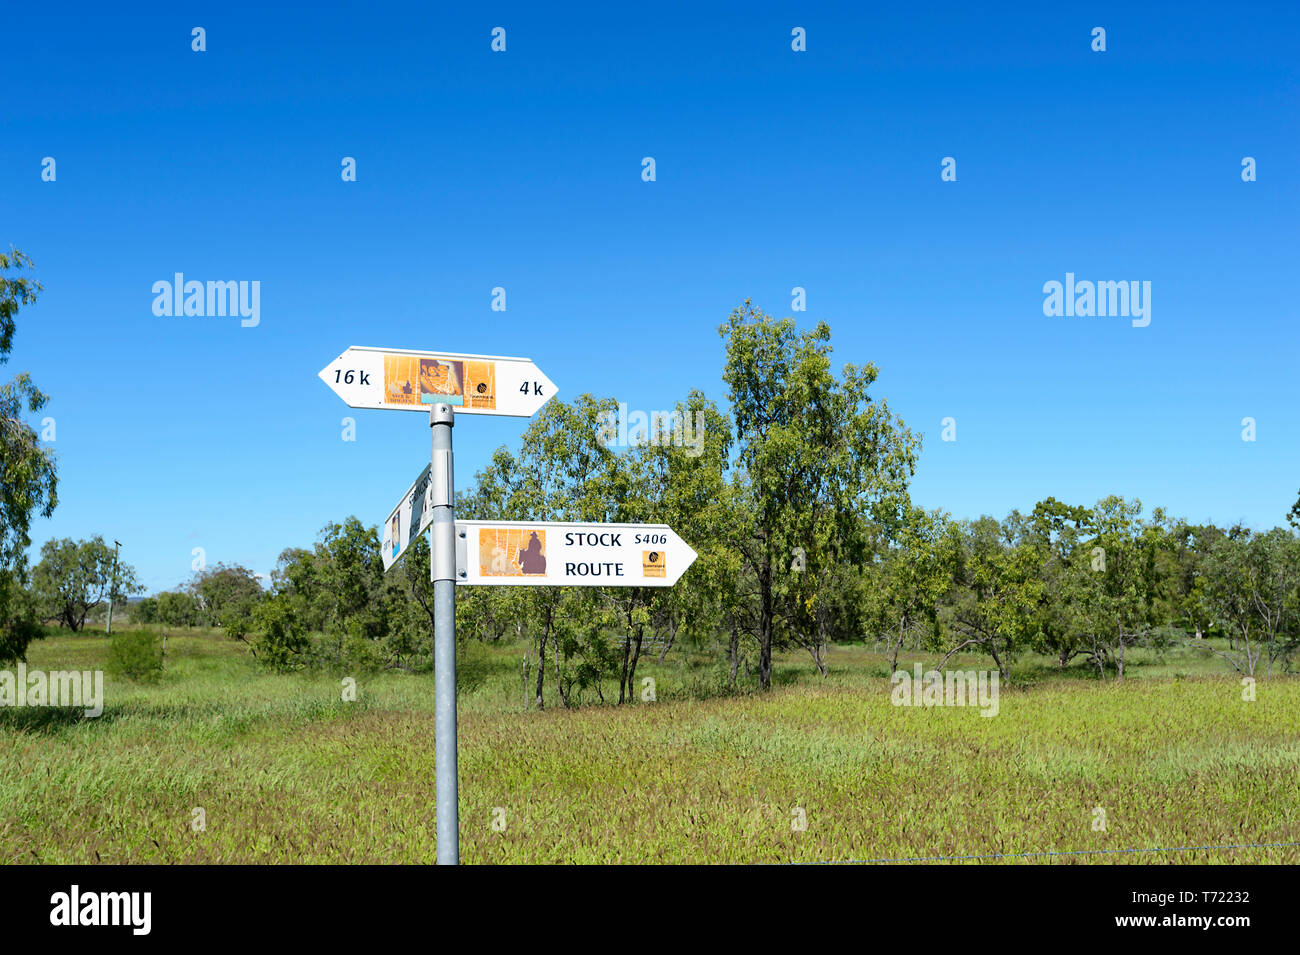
(401, 380)
(511, 552)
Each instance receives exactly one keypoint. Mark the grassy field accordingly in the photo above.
(285, 771)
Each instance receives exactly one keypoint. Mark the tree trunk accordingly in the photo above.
(893, 662)
(1002, 671)
(819, 646)
(541, 669)
(672, 638)
(631, 673)
(622, 673)
(1119, 669)
(733, 652)
(1097, 657)
(559, 679)
(765, 634)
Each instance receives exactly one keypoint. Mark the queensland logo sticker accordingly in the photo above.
(653, 563)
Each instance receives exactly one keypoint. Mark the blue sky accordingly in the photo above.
(775, 169)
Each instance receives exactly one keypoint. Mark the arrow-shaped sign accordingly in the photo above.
(416, 380)
(537, 553)
(410, 518)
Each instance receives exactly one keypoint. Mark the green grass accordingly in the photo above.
(286, 771)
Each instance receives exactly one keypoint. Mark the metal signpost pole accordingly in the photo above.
(112, 588)
(442, 571)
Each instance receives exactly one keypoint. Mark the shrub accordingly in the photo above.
(283, 639)
(135, 654)
(362, 654)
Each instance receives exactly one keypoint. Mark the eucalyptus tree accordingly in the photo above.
(1253, 584)
(688, 488)
(1228, 591)
(298, 579)
(227, 593)
(816, 450)
(1274, 576)
(28, 478)
(1123, 589)
(73, 577)
(352, 581)
(997, 594)
(909, 579)
(1056, 531)
(1192, 608)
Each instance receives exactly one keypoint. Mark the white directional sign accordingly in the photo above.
(417, 380)
(410, 518)
(536, 553)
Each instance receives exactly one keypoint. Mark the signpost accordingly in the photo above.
(393, 378)
(536, 553)
(442, 571)
(408, 520)
(495, 553)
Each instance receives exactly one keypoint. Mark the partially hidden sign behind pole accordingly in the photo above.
(546, 553)
(417, 380)
(411, 517)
